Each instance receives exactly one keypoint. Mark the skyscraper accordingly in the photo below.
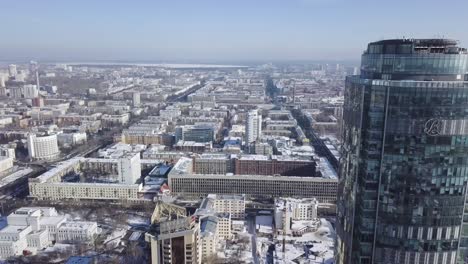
(136, 99)
(253, 127)
(34, 71)
(404, 167)
(12, 72)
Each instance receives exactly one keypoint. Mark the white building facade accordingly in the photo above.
(35, 228)
(253, 126)
(43, 147)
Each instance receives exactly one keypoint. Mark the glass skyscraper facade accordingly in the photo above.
(404, 167)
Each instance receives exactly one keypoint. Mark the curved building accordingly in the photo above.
(404, 167)
(43, 147)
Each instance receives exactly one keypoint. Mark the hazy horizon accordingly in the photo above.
(213, 32)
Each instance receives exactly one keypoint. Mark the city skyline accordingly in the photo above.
(206, 31)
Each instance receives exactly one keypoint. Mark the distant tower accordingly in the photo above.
(12, 70)
(253, 127)
(38, 101)
(34, 69)
(355, 71)
(136, 99)
(294, 93)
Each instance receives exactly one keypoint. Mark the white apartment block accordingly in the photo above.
(296, 216)
(113, 120)
(27, 91)
(170, 113)
(262, 148)
(12, 71)
(4, 121)
(97, 191)
(224, 221)
(129, 168)
(6, 164)
(253, 126)
(72, 139)
(298, 209)
(232, 204)
(49, 185)
(208, 236)
(43, 147)
(7, 151)
(224, 225)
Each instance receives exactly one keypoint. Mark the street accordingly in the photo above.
(252, 231)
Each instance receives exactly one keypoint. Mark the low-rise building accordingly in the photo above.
(126, 170)
(71, 139)
(296, 216)
(6, 165)
(192, 146)
(232, 204)
(77, 231)
(35, 228)
(196, 133)
(213, 164)
(109, 121)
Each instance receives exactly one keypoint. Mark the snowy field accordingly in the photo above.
(311, 248)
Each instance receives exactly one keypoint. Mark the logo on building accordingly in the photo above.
(433, 127)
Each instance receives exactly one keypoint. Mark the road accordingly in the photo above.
(252, 231)
(183, 97)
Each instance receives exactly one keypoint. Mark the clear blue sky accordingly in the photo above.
(207, 30)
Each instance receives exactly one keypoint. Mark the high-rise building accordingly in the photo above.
(43, 147)
(403, 176)
(34, 71)
(38, 101)
(355, 70)
(136, 99)
(23, 91)
(253, 126)
(12, 72)
(176, 241)
(129, 168)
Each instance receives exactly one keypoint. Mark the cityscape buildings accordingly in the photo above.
(108, 159)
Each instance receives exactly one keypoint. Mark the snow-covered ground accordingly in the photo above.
(240, 247)
(137, 220)
(264, 224)
(113, 240)
(319, 245)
